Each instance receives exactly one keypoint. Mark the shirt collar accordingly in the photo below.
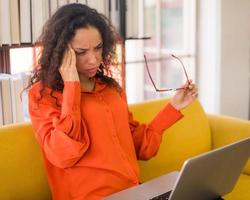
(99, 86)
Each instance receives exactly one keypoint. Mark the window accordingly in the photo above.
(21, 59)
(171, 27)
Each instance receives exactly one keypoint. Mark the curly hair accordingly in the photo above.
(56, 34)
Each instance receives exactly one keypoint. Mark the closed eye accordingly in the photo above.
(82, 52)
(99, 46)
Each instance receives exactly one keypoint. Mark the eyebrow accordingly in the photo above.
(82, 49)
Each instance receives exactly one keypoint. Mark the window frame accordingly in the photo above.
(188, 52)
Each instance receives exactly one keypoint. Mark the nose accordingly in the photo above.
(92, 58)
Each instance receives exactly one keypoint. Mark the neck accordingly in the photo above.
(84, 79)
(87, 82)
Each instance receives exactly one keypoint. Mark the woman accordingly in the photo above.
(89, 140)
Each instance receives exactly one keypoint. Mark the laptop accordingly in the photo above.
(204, 177)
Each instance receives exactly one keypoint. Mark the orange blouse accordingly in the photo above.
(90, 141)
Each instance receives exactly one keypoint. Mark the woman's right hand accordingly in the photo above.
(68, 69)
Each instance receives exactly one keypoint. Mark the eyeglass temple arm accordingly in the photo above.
(182, 66)
(150, 74)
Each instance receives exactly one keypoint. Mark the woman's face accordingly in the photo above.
(88, 46)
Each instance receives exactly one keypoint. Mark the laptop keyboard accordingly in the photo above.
(164, 196)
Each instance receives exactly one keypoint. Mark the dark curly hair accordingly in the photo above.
(56, 34)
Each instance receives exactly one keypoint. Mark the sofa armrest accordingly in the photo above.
(226, 130)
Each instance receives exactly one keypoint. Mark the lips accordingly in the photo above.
(92, 69)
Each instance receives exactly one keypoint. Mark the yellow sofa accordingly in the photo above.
(194, 134)
(22, 172)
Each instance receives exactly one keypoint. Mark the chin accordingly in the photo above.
(89, 75)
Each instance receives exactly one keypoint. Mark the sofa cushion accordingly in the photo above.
(22, 170)
(241, 190)
(226, 130)
(188, 137)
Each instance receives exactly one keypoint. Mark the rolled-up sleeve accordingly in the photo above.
(147, 137)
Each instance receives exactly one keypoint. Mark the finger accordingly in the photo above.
(69, 46)
(69, 58)
(192, 91)
(189, 82)
(66, 60)
(73, 57)
(71, 49)
(191, 85)
(72, 54)
(195, 95)
(185, 86)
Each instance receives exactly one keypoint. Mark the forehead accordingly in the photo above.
(86, 37)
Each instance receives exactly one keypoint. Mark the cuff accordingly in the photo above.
(165, 118)
(71, 97)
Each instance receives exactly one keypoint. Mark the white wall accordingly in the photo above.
(223, 56)
(208, 53)
(235, 67)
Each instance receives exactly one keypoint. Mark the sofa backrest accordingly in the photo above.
(188, 137)
(22, 171)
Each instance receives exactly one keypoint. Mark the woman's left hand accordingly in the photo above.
(185, 96)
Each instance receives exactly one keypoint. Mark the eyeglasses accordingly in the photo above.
(166, 89)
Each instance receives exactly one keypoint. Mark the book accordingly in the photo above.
(25, 78)
(25, 22)
(6, 99)
(13, 98)
(16, 83)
